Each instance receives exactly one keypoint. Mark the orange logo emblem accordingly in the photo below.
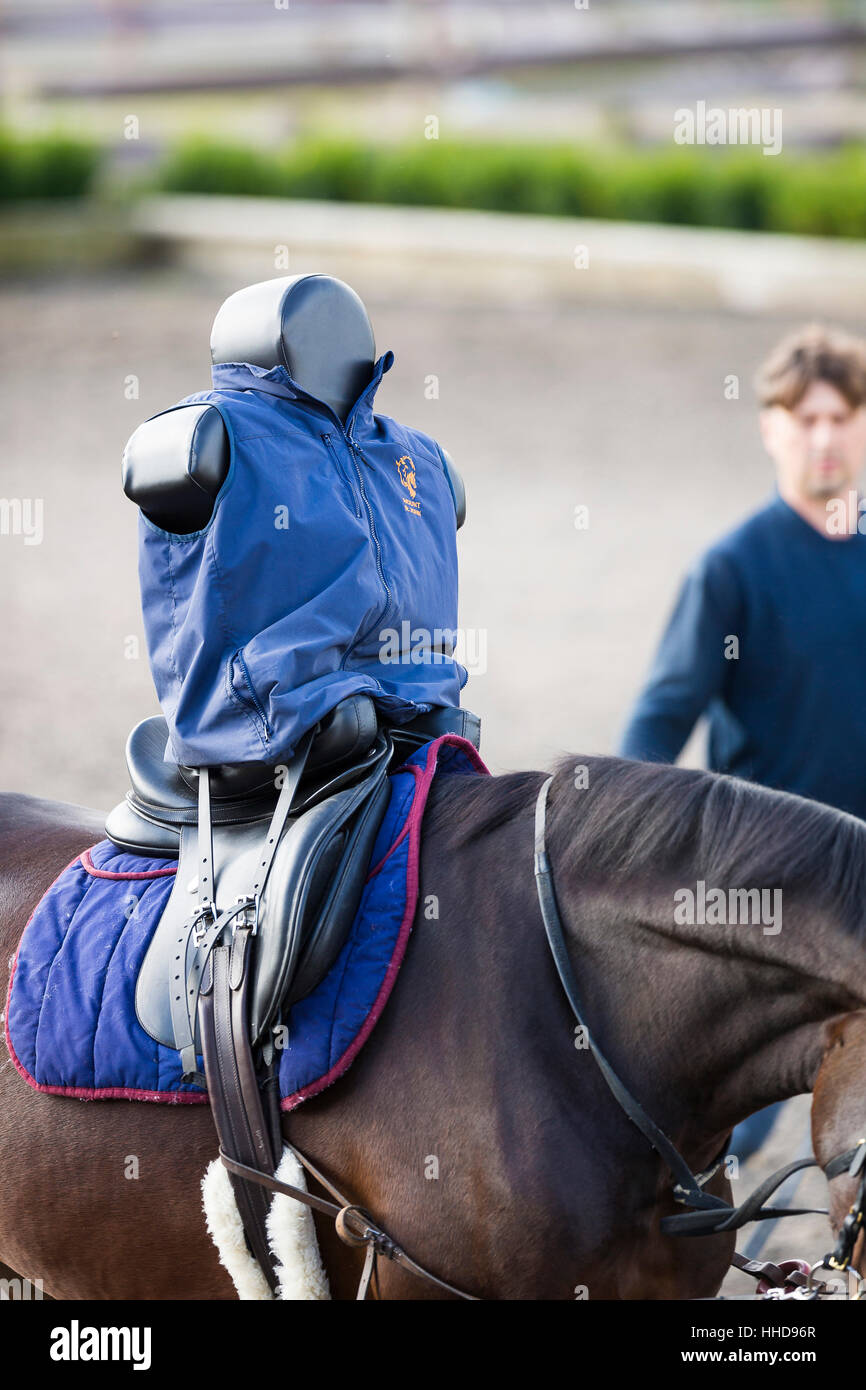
(408, 477)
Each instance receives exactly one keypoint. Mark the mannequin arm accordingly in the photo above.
(175, 464)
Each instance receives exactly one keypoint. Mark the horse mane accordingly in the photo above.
(481, 804)
(622, 817)
(636, 816)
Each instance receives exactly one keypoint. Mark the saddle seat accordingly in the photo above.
(163, 796)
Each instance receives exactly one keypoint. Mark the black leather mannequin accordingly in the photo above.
(313, 325)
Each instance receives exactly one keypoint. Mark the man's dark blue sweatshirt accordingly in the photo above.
(790, 711)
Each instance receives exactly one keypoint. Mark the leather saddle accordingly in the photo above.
(316, 878)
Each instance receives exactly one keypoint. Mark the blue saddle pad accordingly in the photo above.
(71, 1026)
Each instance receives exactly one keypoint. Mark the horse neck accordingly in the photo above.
(711, 1022)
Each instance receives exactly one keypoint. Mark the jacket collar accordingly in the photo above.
(275, 381)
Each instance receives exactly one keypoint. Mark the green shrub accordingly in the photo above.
(45, 166)
(814, 194)
(828, 198)
(201, 166)
(821, 194)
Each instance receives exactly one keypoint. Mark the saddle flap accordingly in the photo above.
(309, 901)
(332, 902)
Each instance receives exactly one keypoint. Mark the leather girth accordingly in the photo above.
(233, 1089)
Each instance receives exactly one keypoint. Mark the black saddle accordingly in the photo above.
(314, 883)
(305, 904)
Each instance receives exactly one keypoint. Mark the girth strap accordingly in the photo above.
(221, 1003)
(281, 812)
(205, 842)
(233, 1087)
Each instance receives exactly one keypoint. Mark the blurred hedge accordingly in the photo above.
(46, 166)
(821, 194)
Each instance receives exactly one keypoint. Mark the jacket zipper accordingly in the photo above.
(354, 444)
(328, 439)
(375, 538)
(356, 449)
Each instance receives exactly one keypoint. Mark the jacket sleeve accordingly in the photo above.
(690, 667)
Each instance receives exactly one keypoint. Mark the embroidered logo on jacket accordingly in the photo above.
(408, 478)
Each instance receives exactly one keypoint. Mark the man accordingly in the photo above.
(768, 633)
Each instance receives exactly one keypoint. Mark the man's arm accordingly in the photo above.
(690, 666)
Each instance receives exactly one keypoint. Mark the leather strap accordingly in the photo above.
(206, 927)
(205, 842)
(702, 1223)
(184, 1002)
(281, 812)
(233, 1090)
(202, 930)
(687, 1189)
(853, 1164)
(221, 1003)
(354, 1226)
(765, 1269)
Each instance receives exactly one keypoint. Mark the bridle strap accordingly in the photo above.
(687, 1189)
(712, 1214)
(765, 1269)
(853, 1164)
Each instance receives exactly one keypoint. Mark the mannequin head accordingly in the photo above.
(313, 325)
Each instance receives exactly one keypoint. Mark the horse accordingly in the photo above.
(475, 1125)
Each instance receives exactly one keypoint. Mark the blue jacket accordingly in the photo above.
(329, 566)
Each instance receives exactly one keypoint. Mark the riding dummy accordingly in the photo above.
(292, 543)
(297, 557)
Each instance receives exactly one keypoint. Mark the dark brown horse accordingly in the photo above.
(474, 1126)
